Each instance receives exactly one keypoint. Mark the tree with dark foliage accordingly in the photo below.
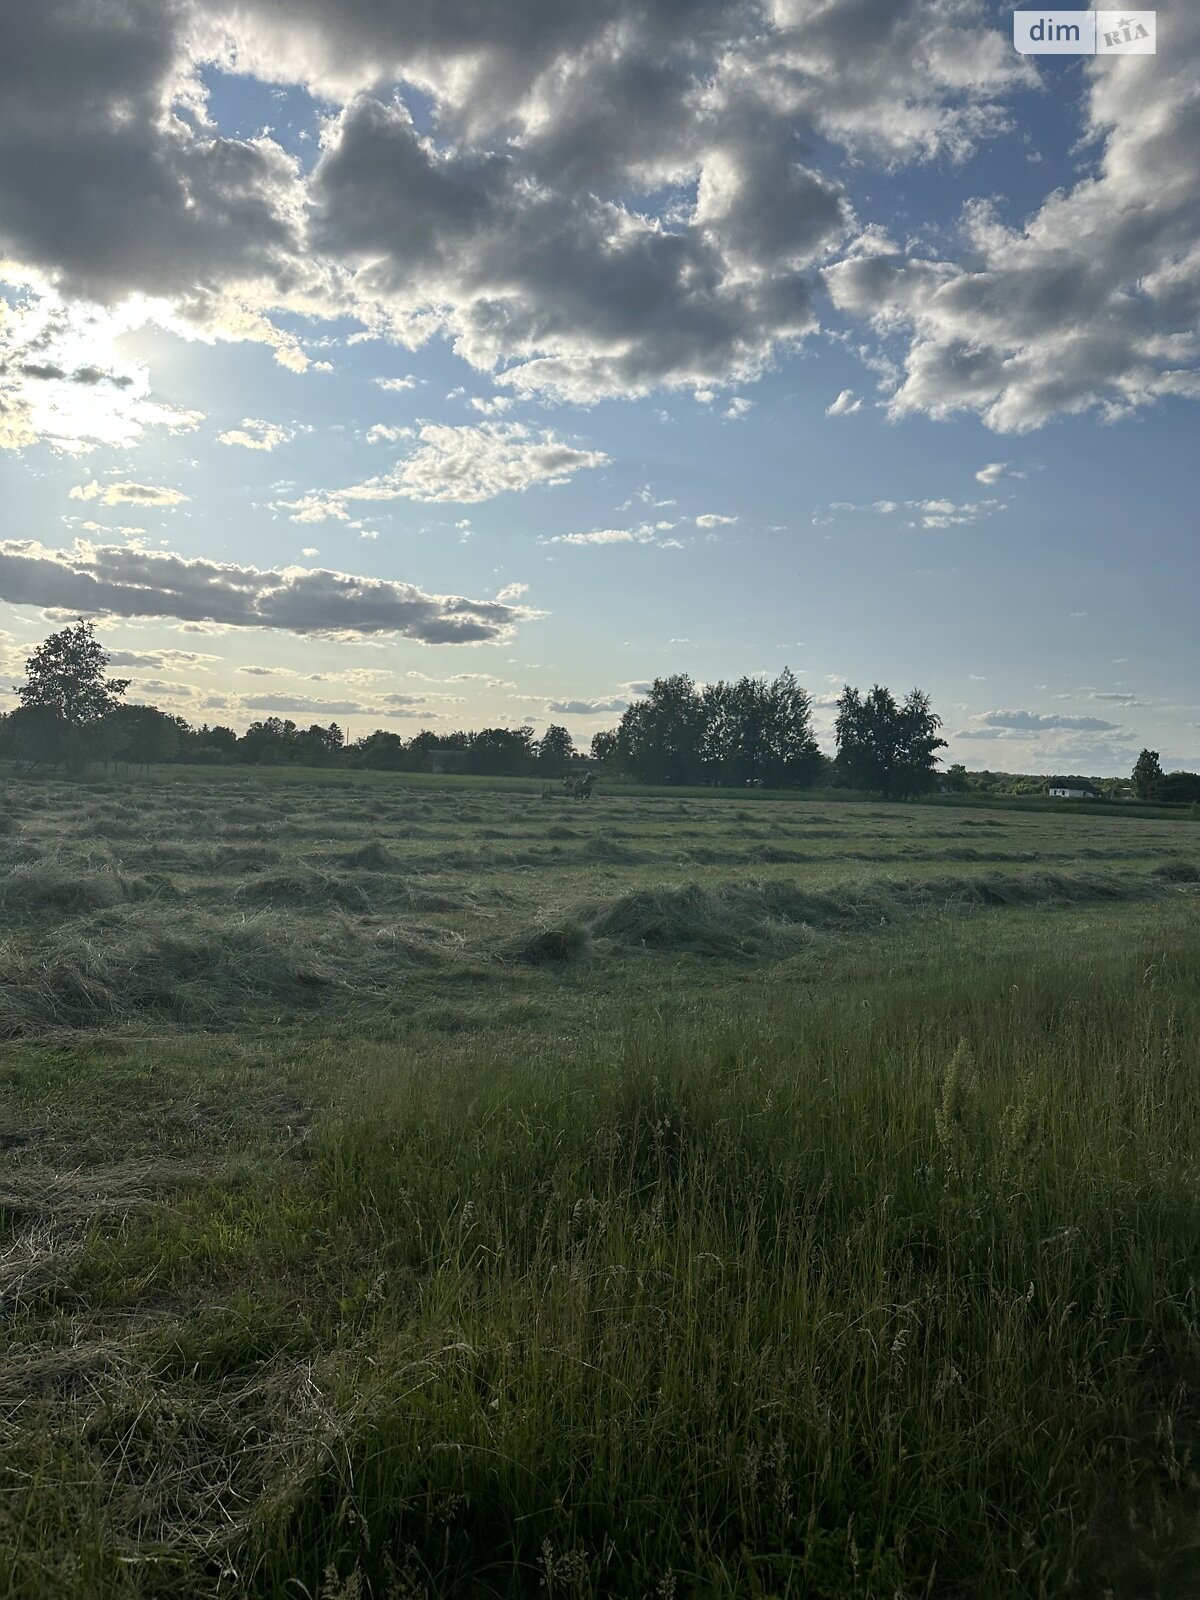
(65, 675)
(1146, 773)
(1176, 788)
(887, 748)
(66, 702)
(556, 750)
(143, 735)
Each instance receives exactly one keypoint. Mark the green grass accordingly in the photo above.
(448, 1217)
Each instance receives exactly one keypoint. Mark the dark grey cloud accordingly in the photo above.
(564, 290)
(106, 191)
(121, 581)
(88, 376)
(168, 686)
(482, 61)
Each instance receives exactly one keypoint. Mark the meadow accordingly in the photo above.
(421, 1189)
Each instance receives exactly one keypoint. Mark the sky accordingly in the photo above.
(446, 364)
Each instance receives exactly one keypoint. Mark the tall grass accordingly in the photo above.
(885, 1292)
(891, 1300)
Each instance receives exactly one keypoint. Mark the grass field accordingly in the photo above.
(418, 1189)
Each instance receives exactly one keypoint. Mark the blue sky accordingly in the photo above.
(387, 395)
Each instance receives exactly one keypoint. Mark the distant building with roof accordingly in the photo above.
(1072, 789)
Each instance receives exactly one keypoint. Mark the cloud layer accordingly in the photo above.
(605, 198)
(1093, 302)
(592, 200)
(128, 582)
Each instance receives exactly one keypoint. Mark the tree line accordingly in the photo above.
(746, 731)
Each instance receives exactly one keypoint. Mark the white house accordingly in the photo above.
(1072, 789)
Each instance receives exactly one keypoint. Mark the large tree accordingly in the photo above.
(503, 752)
(759, 731)
(66, 675)
(661, 738)
(750, 730)
(143, 735)
(604, 748)
(67, 701)
(885, 747)
(556, 750)
(1146, 773)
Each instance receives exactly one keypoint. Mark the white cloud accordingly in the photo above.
(125, 493)
(932, 513)
(126, 530)
(597, 209)
(845, 405)
(713, 519)
(585, 708)
(382, 433)
(256, 435)
(645, 534)
(313, 508)
(464, 465)
(67, 381)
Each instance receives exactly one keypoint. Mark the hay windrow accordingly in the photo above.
(185, 966)
(303, 886)
(752, 917)
(372, 857)
(41, 889)
(1178, 872)
(557, 943)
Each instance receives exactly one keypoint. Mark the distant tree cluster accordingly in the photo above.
(71, 713)
(1164, 788)
(495, 752)
(886, 747)
(750, 731)
(747, 731)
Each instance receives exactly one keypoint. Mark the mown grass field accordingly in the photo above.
(417, 1189)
